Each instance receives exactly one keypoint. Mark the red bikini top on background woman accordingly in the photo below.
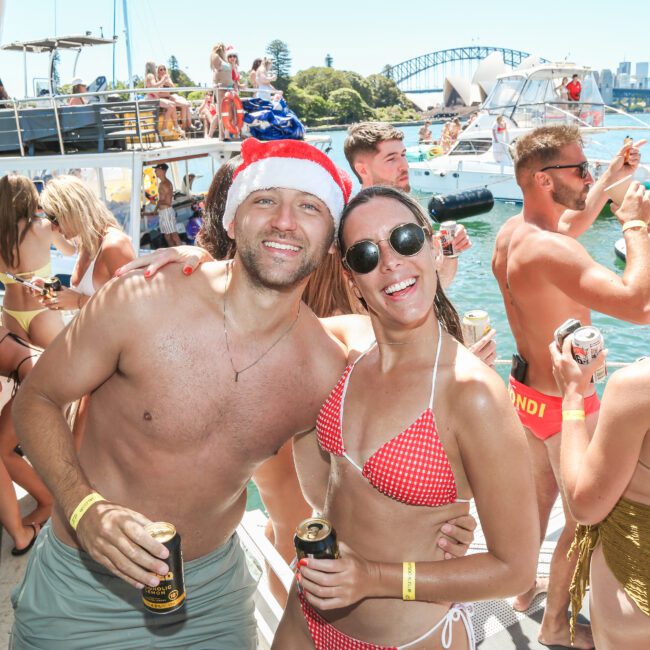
(412, 467)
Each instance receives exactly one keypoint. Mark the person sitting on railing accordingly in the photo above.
(208, 115)
(182, 104)
(78, 86)
(151, 81)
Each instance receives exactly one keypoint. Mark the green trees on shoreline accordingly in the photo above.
(324, 95)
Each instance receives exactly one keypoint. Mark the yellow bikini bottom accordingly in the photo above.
(24, 318)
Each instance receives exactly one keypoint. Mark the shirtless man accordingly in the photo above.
(166, 214)
(545, 277)
(186, 459)
(424, 134)
(376, 154)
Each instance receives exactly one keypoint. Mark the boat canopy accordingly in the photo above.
(533, 96)
(57, 43)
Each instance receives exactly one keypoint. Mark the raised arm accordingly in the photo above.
(76, 364)
(566, 265)
(624, 163)
(596, 471)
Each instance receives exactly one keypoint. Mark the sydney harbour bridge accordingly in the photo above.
(427, 73)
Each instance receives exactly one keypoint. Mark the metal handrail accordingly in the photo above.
(56, 100)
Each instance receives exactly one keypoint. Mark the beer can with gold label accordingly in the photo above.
(169, 595)
(316, 538)
(475, 325)
(587, 342)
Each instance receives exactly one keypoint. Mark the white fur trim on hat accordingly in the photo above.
(288, 173)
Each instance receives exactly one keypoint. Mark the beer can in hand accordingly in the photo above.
(586, 344)
(169, 595)
(447, 233)
(569, 325)
(475, 325)
(316, 538)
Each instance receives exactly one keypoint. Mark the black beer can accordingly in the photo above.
(169, 595)
(52, 284)
(316, 538)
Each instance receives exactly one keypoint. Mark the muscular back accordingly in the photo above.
(170, 433)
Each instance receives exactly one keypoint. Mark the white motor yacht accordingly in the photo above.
(527, 98)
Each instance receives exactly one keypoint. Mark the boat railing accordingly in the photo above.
(50, 120)
(534, 114)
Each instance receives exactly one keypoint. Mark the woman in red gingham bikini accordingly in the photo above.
(389, 494)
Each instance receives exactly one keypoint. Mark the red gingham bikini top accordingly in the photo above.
(412, 467)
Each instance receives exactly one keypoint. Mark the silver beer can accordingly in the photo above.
(447, 233)
(475, 325)
(587, 342)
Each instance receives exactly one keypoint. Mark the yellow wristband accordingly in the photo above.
(82, 508)
(635, 223)
(408, 581)
(577, 414)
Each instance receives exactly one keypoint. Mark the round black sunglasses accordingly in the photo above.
(407, 240)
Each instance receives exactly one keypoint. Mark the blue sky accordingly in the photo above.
(360, 36)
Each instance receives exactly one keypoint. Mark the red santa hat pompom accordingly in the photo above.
(290, 164)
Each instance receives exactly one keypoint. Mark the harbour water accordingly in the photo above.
(475, 286)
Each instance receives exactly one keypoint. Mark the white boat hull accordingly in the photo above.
(451, 174)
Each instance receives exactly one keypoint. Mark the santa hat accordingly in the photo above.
(289, 164)
(231, 50)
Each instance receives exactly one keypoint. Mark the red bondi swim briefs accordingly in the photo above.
(540, 413)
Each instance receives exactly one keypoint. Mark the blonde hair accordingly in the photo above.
(18, 200)
(78, 209)
(541, 147)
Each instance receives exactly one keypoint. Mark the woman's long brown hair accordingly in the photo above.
(18, 200)
(445, 312)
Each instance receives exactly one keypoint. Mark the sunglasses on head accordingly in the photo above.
(406, 240)
(583, 167)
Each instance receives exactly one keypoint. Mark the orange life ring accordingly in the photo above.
(232, 113)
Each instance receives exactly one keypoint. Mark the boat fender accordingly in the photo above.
(453, 207)
(232, 113)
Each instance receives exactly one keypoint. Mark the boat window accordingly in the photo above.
(505, 93)
(471, 147)
(536, 91)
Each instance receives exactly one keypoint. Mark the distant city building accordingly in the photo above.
(641, 70)
(624, 67)
(606, 85)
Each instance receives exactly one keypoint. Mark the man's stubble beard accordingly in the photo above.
(568, 198)
(250, 256)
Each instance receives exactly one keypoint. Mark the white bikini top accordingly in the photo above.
(86, 286)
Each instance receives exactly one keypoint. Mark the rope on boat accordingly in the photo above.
(610, 364)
